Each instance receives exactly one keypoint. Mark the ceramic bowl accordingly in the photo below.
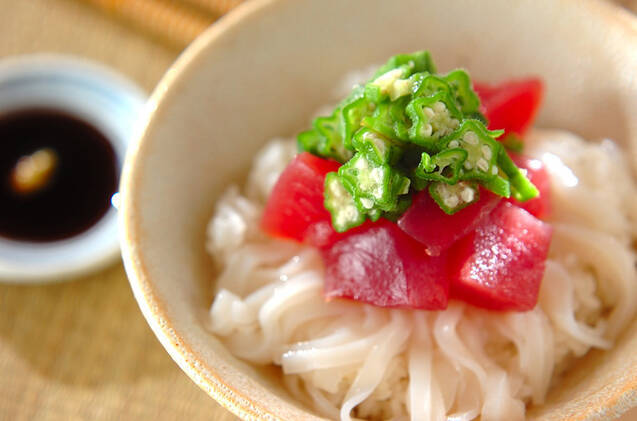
(92, 93)
(264, 68)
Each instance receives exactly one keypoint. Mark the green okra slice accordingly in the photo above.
(331, 142)
(418, 183)
(392, 84)
(477, 115)
(482, 149)
(352, 114)
(308, 141)
(453, 197)
(358, 91)
(426, 84)
(521, 187)
(330, 136)
(377, 147)
(389, 119)
(420, 61)
(463, 92)
(432, 118)
(404, 202)
(372, 185)
(392, 79)
(445, 166)
(498, 185)
(374, 214)
(512, 142)
(399, 190)
(340, 203)
(399, 183)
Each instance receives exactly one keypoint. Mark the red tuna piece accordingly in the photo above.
(511, 105)
(381, 265)
(436, 230)
(540, 207)
(501, 264)
(296, 201)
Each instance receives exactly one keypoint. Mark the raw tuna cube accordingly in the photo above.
(501, 264)
(383, 266)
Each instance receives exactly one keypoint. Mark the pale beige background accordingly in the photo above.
(82, 350)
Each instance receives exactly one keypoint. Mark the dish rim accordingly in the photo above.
(50, 72)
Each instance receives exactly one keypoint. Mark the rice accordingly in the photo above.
(347, 359)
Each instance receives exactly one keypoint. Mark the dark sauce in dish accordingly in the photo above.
(77, 190)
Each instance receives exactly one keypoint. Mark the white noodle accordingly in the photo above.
(354, 360)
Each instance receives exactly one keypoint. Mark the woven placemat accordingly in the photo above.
(176, 22)
(81, 350)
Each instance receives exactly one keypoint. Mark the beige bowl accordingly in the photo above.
(260, 72)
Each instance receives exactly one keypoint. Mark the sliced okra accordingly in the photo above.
(521, 187)
(453, 197)
(404, 202)
(374, 214)
(377, 147)
(392, 84)
(372, 185)
(482, 149)
(331, 145)
(445, 166)
(420, 61)
(426, 84)
(477, 115)
(418, 183)
(340, 203)
(463, 92)
(512, 142)
(389, 119)
(352, 114)
(308, 141)
(498, 185)
(432, 118)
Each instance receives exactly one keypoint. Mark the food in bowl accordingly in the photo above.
(407, 264)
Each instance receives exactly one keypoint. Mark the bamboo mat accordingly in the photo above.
(81, 350)
(176, 22)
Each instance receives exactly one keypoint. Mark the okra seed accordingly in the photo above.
(367, 203)
(467, 194)
(400, 87)
(483, 164)
(439, 107)
(486, 151)
(451, 201)
(471, 138)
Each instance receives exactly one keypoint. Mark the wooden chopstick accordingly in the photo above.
(218, 7)
(175, 22)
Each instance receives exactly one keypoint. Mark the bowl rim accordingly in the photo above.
(153, 310)
(240, 404)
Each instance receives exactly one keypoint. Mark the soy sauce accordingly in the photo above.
(73, 195)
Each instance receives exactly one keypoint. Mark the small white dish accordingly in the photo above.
(102, 98)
